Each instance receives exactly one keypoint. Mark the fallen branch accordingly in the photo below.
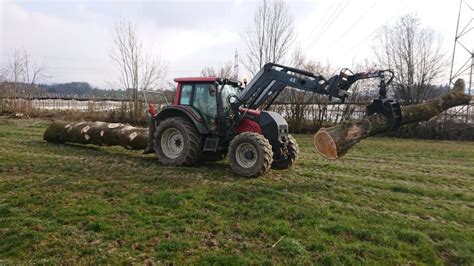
(97, 133)
(276, 243)
(334, 142)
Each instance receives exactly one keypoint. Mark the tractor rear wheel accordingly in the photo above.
(250, 154)
(177, 142)
(288, 159)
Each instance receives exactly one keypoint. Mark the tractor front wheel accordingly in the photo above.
(250, 154)
(177, 142)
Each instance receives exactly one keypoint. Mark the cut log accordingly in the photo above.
(334, 142)
(98, 133)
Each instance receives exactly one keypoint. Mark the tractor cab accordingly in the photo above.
(206, 96)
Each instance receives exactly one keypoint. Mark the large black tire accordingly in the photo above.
(177, 142)
(250, 154)
(290, 156)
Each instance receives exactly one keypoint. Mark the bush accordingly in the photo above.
(436, 129)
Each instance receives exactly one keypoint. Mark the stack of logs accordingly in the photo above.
(97, 133)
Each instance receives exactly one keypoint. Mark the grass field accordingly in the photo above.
(387, 202)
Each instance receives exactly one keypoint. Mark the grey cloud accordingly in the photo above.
(197, 15)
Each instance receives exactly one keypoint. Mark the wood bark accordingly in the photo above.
(97, 133)
(334, 142)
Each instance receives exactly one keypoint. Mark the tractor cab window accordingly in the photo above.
(186, 92)
(226, 91)
(205, 102)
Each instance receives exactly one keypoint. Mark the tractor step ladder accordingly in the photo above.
(211, 144)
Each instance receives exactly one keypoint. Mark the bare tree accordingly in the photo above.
(16, 68)
(270, 37)
(226, 71)
(3, 74)
(139, 70)
(414, 53)
(32, 70)
(208, 72)
(21, 72)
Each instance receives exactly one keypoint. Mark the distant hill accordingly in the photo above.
(81, 90)
(78, 90)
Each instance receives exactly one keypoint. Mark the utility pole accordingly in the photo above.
(236, 65)
(468, 112)
(470, 75)
(465, 69)
(456, 37)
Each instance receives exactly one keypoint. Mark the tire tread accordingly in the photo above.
(265, 146)
(194, 150)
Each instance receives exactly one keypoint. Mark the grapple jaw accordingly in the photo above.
(389, 108)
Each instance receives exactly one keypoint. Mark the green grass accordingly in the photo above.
(387, 201)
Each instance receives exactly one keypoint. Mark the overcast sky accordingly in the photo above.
(73, 38)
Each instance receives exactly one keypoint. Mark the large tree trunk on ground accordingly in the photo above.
(97, 133)
(334, 142)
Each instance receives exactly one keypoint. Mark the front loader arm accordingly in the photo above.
(272, 79)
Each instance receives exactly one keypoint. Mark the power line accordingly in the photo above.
(355, 23)
(325, 18)
(377, 29)
(324, 25)
(329, 24)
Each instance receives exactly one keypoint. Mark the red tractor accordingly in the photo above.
(213, 117)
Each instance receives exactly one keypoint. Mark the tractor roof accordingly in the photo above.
(196, 79)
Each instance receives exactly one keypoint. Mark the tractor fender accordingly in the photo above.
(248, 125)
(183, 111)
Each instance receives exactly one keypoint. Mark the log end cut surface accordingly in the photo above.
(325, 145)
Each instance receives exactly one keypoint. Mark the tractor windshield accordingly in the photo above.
(226, 91)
